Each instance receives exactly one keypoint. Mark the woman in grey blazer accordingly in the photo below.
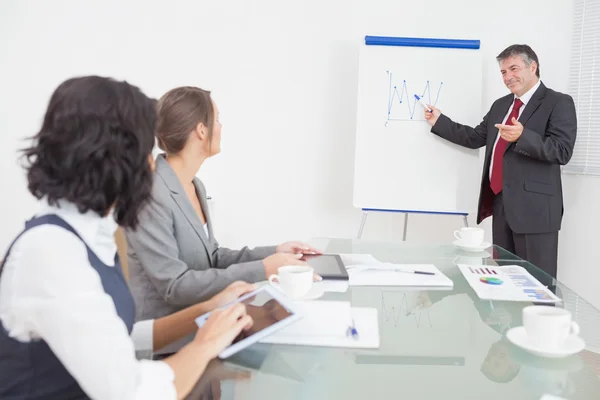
(174, 258)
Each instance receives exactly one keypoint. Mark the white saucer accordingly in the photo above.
(315, 292)
(479, 247)
(573, 345)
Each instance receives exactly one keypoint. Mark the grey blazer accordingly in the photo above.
(172, 263)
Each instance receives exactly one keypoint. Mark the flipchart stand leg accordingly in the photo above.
(362, 224)
(405, 212)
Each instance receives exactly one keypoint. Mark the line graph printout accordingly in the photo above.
(399, 163)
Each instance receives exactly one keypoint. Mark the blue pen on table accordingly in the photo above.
(420, 100)
(352, 330)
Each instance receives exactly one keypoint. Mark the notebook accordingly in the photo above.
(386, 274)
(325, 323)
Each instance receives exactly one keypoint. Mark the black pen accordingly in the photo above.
(415, 272)
(408, 271)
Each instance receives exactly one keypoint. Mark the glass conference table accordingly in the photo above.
(434, 344)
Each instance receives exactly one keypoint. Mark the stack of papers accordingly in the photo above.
(325, 323)
(385, 274)
(506, 283)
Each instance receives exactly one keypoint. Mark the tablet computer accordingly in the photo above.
(270, 310)
(328, 266)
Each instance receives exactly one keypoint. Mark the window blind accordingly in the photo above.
(584, 86)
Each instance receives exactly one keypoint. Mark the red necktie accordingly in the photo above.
(496, 181)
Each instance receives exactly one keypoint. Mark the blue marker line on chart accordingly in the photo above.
(402, 97)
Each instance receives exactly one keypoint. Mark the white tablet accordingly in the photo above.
(270, 310)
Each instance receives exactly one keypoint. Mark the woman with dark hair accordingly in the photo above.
(66, 313)
(174, 258)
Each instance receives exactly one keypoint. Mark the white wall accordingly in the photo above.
(284, 75)
(578, 241)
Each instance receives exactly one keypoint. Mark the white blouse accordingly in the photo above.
(49, 290)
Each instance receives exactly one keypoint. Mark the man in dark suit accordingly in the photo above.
(528, 135)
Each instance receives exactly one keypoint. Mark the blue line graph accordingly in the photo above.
(402, 105)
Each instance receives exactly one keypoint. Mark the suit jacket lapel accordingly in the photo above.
(530, 107)
(179, 196)
(190, 214)
(204, 204)
(533, 104)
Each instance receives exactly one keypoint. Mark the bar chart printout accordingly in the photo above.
(507, 283)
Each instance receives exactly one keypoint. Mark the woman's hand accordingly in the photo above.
(297, 248)
(278, 260)
(274, 261)
(221, 327)
(230, 294)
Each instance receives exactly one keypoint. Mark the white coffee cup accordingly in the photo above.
(470, 236)
(293, 280)
(548, 327)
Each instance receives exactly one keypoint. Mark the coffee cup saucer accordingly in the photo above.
(469, 247)
(315, 292)
(572, 345)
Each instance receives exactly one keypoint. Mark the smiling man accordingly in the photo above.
(528, 135)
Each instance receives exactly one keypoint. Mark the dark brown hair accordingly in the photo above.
(523, 50)
(93, 147)
(179, 111)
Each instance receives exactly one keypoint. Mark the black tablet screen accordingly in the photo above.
(265, 311)
(327, 265)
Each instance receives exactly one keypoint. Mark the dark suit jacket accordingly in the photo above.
(532, 188)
